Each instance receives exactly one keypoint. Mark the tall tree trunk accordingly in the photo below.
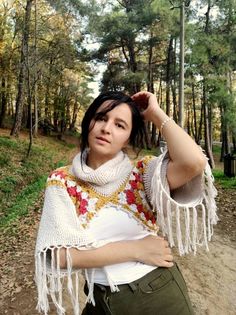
(225, 145)
(130, 43)
(133, 64)
(168, 74)
(159, 99)
(35, 79)
(174, 86)
(29, 100)
(208, 147)
(234, 145)
(22, 74)
(150, 84)
(188, 120)
(199, 133)
(75, 113)
(181, 72)
(3, 102)
(194, 110)
(146, 136)
(210, 123)
(47, 110)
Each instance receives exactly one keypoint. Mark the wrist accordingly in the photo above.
(135, 250)
(159, 117)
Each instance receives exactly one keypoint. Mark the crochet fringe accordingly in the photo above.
(49, 278)
(182, 223)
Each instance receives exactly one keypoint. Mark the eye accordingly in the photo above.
(120, 126)
(101, 118)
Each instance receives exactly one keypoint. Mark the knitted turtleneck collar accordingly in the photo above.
(107, 177)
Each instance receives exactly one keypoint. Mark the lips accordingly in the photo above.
(103, 139)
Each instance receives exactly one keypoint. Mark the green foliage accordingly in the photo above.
(26, 198)
(216, 149)
(224, 181)
(8, 142)
(22, 180)
(154, 151)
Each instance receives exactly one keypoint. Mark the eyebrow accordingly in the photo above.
(122, 121)
(117, 119)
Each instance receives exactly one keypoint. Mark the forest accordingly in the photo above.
(51, 52)
(55, 57)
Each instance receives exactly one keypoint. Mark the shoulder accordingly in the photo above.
(143, 163)
(60, 176)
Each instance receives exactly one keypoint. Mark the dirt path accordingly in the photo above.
(211, 277)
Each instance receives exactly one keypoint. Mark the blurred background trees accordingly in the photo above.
(50, 51)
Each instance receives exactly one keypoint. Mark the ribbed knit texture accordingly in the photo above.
(108, 177)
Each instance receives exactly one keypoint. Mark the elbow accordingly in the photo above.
(197, 166)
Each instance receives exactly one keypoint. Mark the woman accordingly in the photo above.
(102, 214)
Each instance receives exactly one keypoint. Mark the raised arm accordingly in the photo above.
(186, 158)
(151, 250)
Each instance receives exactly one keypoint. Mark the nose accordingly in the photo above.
(106, 127)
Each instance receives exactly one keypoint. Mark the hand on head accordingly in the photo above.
(147, 104)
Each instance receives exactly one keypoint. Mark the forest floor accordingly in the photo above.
(210, 276)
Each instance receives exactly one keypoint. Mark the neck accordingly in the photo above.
(94, 161)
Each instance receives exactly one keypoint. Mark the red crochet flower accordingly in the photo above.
(62, 174)
(133, 184)
(130, 197)
(153, 219)
(140, 164)
(137, 177)
(140, 208)
(72, 191)
(83, 206)
(148, 215)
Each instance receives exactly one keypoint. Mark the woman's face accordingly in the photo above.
(111, 132)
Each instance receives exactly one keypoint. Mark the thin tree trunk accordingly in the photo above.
(194, 111)
(30, 110)
(168, 75)
(188, 120)
(208, 147)
(150, 85)
(75, 113)
(22, 74)
(159, 99)
(3, 102)
(35, 82)
(47, 110)
(225, 146)
(173, 86)
(181, 72)
(199, 133)
(234, 145)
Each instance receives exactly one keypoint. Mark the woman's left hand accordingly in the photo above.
(147, 104)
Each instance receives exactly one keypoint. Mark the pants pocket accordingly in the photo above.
(159, 281)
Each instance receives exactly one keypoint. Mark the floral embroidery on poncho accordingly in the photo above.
(129, 197)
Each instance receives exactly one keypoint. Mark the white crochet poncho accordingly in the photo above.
(186, 218)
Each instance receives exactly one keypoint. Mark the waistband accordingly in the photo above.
(145, 281)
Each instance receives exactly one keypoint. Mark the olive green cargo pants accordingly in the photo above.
(161, 292)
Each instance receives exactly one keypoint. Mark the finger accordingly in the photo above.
(141, 94)
(166, 244)
(165, 263)
(169, 258)
(160, 237)
(168, 251)
(168, 264)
